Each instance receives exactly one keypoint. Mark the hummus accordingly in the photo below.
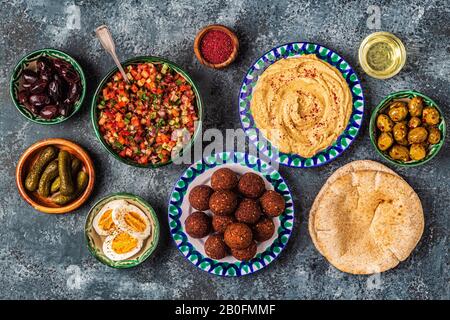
(301, 105)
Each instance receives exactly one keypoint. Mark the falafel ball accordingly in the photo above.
(246, 253)
(272, 203)
(199, 197)
(220, 223)
(224, 179)
(215, 247)
(238, 235)
(264, 229)
(198, 224)
(251, 185)
(248, 211)
(223, 202)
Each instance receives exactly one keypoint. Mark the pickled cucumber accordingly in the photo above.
(76, 165)
(65, 175)
(46, 155)
(50, 173)
(82, 182)
(55, 185)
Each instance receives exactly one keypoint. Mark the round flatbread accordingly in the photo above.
(342, 171)
(366, 221)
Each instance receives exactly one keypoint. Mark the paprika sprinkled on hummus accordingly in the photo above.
(216, 46)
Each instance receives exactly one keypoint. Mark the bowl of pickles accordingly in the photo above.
(55, 176)
(407, 128)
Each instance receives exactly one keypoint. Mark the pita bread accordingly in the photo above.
(366, 221)
(348, 168)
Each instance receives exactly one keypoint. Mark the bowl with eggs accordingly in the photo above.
(122, 230)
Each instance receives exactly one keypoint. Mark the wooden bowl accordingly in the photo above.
(29, 157)
(199, 37)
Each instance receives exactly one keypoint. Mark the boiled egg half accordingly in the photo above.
(121, 245)
(103, 223)
(131, 219)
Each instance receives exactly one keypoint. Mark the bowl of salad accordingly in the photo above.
(153, 118)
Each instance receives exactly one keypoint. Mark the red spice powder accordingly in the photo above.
(216, 46)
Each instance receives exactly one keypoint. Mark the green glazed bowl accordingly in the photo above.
(380, 108)
(137, 60)
(24, 63)
(93, 239)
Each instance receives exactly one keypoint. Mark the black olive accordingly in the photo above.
(74, 93)
(49, 111)
(59, 64)
(34, 109)
(70, 75)
(26, 85)
(64, 109)
(54, 90)
(39, 100)
(43, 64)
(38, 87)
(22, 96)
(29, 76)
(46, 75)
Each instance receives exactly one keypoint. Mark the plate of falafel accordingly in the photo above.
(231, 214)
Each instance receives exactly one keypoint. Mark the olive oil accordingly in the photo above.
(382, 55)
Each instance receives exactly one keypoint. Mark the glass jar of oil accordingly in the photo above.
(382, 55)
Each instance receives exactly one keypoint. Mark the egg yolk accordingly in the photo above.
(106, 222)
(135, 221)
(123, 243)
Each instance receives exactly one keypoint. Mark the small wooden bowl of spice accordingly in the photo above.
(216, 46)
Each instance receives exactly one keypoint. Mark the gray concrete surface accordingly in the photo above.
(45, 256)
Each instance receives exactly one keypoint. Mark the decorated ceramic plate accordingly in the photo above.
(296, 49)
(179, 209)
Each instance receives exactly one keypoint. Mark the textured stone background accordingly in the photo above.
(45, 256)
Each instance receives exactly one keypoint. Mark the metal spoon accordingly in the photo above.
(107, 42)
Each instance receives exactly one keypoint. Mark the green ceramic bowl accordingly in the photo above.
(24, 63)
(137, 60)
(94, 241)
(380, 108)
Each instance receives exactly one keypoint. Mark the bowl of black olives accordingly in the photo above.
(407, 128)
(48, 86)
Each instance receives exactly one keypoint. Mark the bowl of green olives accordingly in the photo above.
(407, 128)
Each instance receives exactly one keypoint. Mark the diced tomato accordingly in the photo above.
(145, 74)
(135, 121)
(184, 87)
(128, 152)
(143, 160)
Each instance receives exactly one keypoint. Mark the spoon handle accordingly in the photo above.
(107, 42)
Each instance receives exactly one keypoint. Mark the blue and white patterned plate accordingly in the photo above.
(296, 49)
(179, 208)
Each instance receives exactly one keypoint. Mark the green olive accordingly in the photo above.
(417, 151)
(398, 152)
(430, 116)
(384, 123)
(403, 142)
(400, 131)
(414, 122)
(434, 135)
(417, 135)
(385, 141)
(398, 111)
(415, 106)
